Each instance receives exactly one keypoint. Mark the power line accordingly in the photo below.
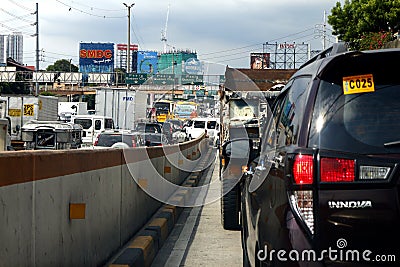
(21, 6)
(89, 13)
(18, 18)
(260, 44)
(229, 50)
(14, 16)
(96, 8)
(14, 29)
(139, 39)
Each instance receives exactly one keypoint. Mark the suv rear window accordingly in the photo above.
(109, 139)
(86, 123)
(362, 122)
(199, 124)
(211, 125)
(148, 128)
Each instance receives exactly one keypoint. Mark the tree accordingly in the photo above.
(14, 88)
(62, 65)
(359, 19)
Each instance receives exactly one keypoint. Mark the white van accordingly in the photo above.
(92, 126)
(198, 126)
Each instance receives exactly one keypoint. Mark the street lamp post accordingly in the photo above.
(128, 48)
(70, 74)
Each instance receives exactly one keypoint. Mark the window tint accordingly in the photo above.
(108, 139)
(109, 124)
(360, 123)
(97, 124)
(153, 128)
(86, 123)
(199, 124)
(211, 124)
(292, 111)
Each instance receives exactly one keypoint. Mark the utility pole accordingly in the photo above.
(324, 32)
(37, 47)
(70, 73)
(128, 47)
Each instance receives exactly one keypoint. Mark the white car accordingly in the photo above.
(198, 126)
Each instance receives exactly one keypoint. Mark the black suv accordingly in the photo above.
(148, 127)
(325, 188)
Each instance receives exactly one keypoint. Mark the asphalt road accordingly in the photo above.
(198, 238)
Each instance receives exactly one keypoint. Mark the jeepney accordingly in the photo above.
(52, 135)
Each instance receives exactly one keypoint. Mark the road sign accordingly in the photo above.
(136, 79)
(163, 79)
(200, 93)
(221, 79)
(192, 79)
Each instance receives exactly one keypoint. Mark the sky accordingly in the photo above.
(222, 32)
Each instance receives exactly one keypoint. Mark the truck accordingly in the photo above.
(68, 109)
(92, 126)
(52, 135)
(244, 110)
(125, 106)
(21, 109)
(5, 141)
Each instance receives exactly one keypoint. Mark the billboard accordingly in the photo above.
(96, 57)
(259, 61)
(124, 47)
(193, 66)
(147, 62)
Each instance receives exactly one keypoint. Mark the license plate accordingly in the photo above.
(358, 84)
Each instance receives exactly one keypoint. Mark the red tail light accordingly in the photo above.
(337, 170)
(133, 142)
(96, 141)
(303, 169)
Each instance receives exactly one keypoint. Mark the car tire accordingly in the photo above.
(230, 208)
(246, 262)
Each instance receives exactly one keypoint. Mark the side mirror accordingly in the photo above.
(239, 149)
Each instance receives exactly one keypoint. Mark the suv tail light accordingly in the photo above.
(96, 141)
(134, 144)
(302, 203)
(302, 200)
(303, 169)
(336, 170)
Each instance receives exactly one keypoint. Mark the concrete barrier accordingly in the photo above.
(80, 207)
(159, 227)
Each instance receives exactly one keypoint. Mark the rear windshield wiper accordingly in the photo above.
(394, 143)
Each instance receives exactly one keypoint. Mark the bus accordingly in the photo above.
(164, 110)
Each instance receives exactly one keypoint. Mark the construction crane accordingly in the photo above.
(164, 32)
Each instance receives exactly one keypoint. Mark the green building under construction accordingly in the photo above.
(174, 62)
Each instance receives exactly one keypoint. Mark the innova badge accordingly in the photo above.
(350, 204)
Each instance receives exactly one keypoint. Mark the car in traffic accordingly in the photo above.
(155, 139)
(173, 129)
(148, 127)
(118, 139)
(208, 126)
(326, 178)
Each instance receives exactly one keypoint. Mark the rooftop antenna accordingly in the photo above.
(164, 32)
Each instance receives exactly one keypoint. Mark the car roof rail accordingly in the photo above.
(336, 48)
